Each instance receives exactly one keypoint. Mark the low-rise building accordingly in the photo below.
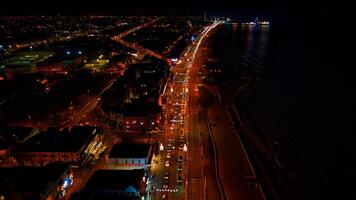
(35, 183)
(130, 156)
(115, 184)
(75, 146)
(134, 99)
(142, 117)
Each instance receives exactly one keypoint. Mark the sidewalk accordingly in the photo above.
(234, 169)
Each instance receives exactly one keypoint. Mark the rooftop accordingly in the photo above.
(141, 109)
(130, 151)
(112, 180)
(30, 179)
(55, 140)
(15, 133)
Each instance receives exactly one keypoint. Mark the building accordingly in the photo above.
(59, 64)
(76, 146)
(115, 184)
(16, 134)
(130, 156)
(142, 117)
(35, 183)
(25, 58)
(138, 118)
(134, 99)
(47, 67)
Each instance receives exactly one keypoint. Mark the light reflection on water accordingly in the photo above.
(255, 46)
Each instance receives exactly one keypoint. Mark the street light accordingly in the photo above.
(161, 148)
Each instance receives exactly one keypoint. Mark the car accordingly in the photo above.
(180, 168)
(167, 163)
(180, 158)
(166, 177)
(164, 197)
(165, 186)
(180, 179)
(168, 155)
(181, 137)
(181, 146)
(169, 150)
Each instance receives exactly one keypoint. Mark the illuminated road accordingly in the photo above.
(87, 108)
(128, 32)
(67, 118)
(172, 142)
(212, 169)
(141, 49)
(185, 127)
(19, 46)
(119, 38)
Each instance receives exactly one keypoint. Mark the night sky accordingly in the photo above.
(117, 7)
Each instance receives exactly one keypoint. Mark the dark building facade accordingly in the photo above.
(74, 147)
(35, 183)
(115, 184)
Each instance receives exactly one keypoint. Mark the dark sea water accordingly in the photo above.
(305, 64)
